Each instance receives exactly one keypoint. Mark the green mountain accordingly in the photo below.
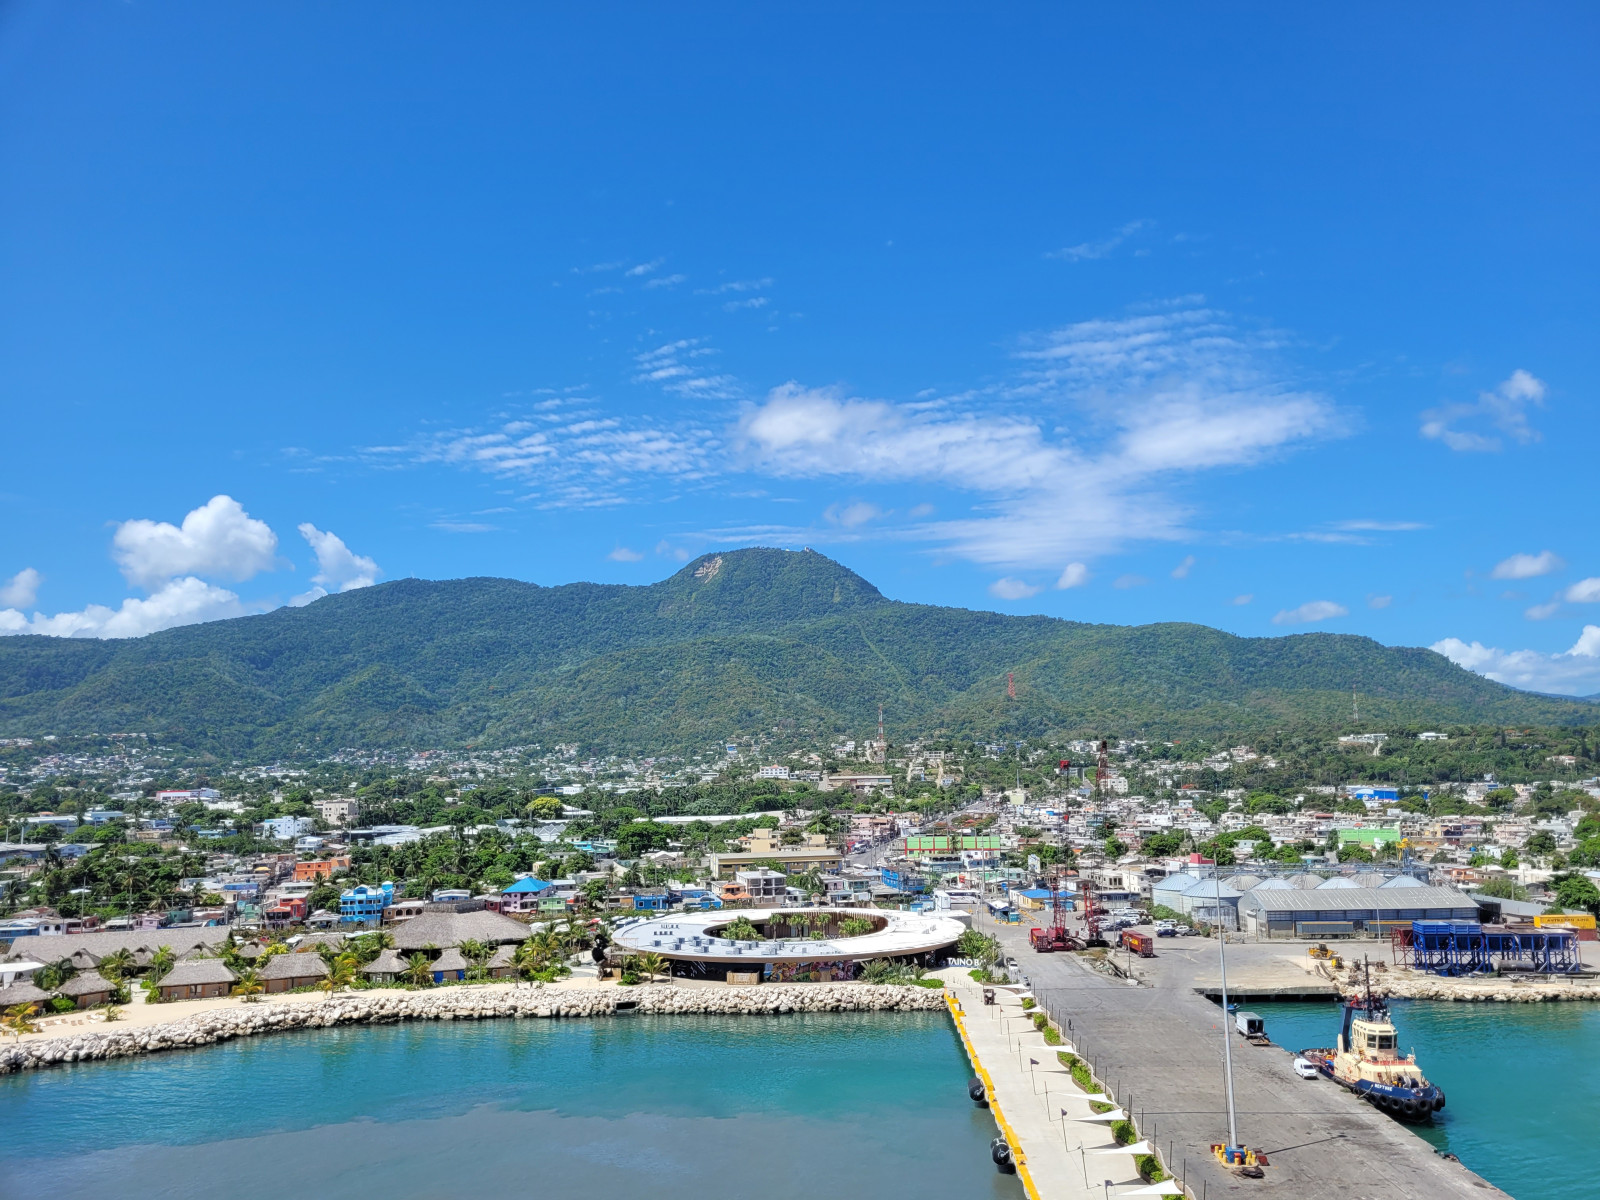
(746, 642)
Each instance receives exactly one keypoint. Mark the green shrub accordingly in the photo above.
(1027, 1003)
(1040, 1020)
(1052, 1036)
(929, 983)
(1124, 1132)
(1149, 1169)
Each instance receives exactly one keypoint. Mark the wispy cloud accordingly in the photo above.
(1585, 591)
(675, 367)
(567, 453)
(752, 302)
(1162, 396)
(1241, 599)
(643, 268)
(1573, 672)
(1181, 571)
(1013, 589)
(623, 554)
(1311, 612)
(1075, 574)
(1101, 247)
(1527, 566)
(661, 281)
(852, 515)
(736, 285)
(1505, 409)
(1379, 601)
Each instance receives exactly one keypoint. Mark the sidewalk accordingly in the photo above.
(1041, 1111)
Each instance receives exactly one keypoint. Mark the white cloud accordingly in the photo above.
(1541, 612)
(339, 569)
(1311, 612)
(667, 550)
(665, 281)
(1242, 599)
(752, 302)
(1181, 571)
(1101, 248)
(178, 602)
(1505, 409)
(1129, 581)
(673, 367)
(1075, 575)
(644, 268)
(918, 511)
(1527, 566)
(1575, 672)
(1585, 591)
(1379, 601)
(1366, 526)
(623, 554)
(852, 515)
(1165, 395)
(219, 538)
(1013, 589)
(22, 589)
(736, 285)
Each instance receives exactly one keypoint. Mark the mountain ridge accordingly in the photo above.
(736, 643)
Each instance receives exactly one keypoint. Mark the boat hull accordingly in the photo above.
(1412, 1105)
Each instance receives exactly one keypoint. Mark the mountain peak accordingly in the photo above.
(760, 581)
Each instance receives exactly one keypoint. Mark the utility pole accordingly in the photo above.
(1227, 1036)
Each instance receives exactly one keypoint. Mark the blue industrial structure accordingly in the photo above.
(1467, 948)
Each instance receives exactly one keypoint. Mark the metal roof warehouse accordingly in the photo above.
(1330, 912)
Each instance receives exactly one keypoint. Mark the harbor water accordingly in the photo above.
(664, 1107)
(1521, 1081)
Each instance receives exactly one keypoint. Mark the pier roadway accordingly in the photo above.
(1041, 1112)
(1158, 1049)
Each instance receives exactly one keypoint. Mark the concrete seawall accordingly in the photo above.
(460, 1004)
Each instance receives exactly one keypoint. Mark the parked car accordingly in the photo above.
(1304, 1069)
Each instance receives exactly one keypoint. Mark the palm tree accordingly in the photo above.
(419, 969)
(653, 965)
(341, 974)
(741, 929)
(249, 985)
(162, 961)
(19, 1019)
(117, 965)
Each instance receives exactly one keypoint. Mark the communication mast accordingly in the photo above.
(881, 742)
(1102, 767)
(1011, 685)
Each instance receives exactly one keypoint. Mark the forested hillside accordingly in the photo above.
(739, 643)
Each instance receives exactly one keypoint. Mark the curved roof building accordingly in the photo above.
(693, 940)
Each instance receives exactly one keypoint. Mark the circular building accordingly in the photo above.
(812, 945)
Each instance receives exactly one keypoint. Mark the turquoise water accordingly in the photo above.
(665, 1108)
(1521, 1083)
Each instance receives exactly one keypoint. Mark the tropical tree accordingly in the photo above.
(249, 986)
(162, 961)
(117, 965)
(653, 964)
(419, 969)
(18, 1019)
(55, 974)
(741, 929)
(341, 974)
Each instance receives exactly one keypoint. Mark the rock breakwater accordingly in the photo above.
(1499, 991)
(385, 1006)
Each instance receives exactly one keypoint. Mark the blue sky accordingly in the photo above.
(1271, 321)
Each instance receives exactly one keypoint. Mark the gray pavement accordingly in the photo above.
(1158, 1047)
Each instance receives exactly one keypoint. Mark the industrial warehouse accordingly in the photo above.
(1287, 912)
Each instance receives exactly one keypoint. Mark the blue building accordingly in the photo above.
(363, 903)
(902, 880)
(1368, 792)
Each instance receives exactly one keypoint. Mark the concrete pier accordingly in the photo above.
(1158, 1047)
(1060, 1153)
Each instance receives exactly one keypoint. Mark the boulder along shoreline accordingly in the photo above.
(1467, 991)
(386, 1006)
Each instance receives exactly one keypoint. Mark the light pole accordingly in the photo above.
(1227, 1040)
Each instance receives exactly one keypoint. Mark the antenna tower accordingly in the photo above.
(1011, 685)
(880, 725)
(1102, 767)
(1355, 709)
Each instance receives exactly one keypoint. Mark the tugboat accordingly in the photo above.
(1368, 1062)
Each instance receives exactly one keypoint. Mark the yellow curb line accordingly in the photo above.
(1012, 1140)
